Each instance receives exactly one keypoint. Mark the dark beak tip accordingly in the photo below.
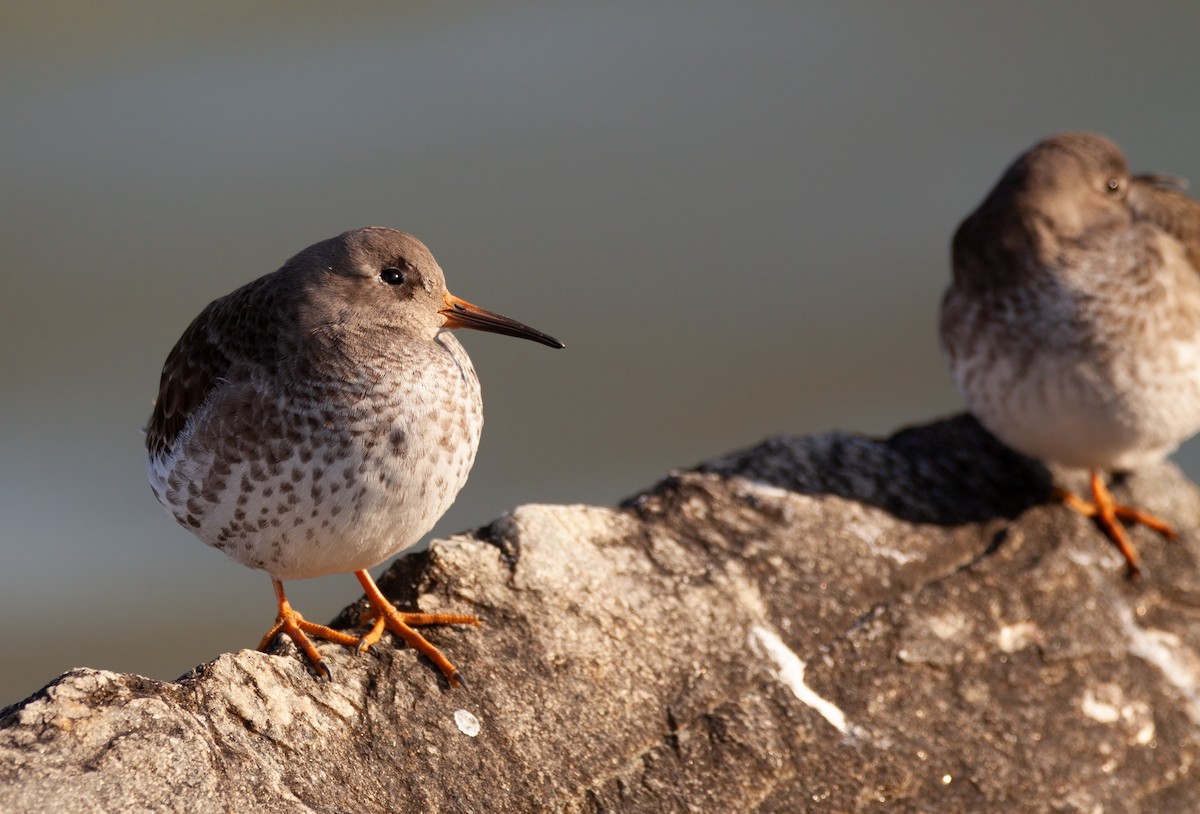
(461, 314)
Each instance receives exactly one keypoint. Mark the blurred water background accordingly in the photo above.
(735, 215)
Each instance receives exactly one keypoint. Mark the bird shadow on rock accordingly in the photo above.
(946, 473)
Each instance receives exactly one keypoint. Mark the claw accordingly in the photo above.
(1108, 514)
(401, 624)
(364, 644)
(290, 623)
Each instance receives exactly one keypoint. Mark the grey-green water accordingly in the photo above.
(736, 216)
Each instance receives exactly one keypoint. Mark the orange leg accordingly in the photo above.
(401, 624)
(291, 623)
(1108, 514)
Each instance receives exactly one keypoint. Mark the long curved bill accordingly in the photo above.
(462, 314)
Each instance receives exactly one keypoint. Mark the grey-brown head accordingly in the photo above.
(1069, 191)
(1061, 188)
(1071, 188)
(384, 281)
(1073, 181)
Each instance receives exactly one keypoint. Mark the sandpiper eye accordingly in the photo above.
(392, 275)
(1114, 185)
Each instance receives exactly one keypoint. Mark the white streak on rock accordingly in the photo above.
(1178, 663)
(791, 673)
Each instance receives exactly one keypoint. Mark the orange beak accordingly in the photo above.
(462, 314)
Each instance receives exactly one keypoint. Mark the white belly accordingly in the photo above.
(334, 501)
(1107, 408)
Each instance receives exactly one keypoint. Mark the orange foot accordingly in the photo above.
(401, 624)
(292, 624)
(1109, 514)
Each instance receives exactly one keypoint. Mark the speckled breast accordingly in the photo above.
(327, 476)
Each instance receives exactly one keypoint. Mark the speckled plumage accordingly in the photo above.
(322, 418)
(1072, 324)
(302, 444)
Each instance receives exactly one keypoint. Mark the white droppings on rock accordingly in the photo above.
(466, 722)
(867, 527)
(1012, 638)
(1107, 703)
(894, 554)
(1179, 664)
(791, 673)
(1100, 710)
(747, 486)
(947, 626)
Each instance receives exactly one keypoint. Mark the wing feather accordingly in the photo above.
(232, 332)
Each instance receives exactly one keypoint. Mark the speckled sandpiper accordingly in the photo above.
(322, 418)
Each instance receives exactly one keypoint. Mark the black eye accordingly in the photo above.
(392, 275)
(1113, 185)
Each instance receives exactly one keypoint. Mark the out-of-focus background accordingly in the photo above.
(736, 216)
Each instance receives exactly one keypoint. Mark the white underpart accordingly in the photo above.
(790, 670)
(1080, 422)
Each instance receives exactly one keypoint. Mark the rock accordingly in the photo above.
(825, 623)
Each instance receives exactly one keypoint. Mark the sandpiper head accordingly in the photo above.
(1074, 181)
(379, 278)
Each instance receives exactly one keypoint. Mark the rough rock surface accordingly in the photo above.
(828, 623)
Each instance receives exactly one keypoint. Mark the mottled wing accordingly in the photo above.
(192, 369)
